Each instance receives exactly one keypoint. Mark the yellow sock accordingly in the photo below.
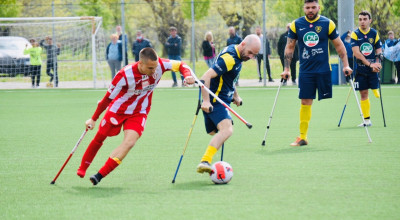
(305, 117)
(365, 108)
(376, 93)
(116, 159)
(208, 155)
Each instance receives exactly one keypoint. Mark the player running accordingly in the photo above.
(367, 47)
(313, 32)
(129, 101)
(221, 78)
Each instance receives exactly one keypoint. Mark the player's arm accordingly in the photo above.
(184, 69)
(116, 85)
(341, 50)
(206, 78)
(288, 56)
(236, 98)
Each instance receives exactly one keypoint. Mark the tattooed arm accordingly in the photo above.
(341, 50)
(289, 50)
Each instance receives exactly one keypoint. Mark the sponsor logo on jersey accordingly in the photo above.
(305, 54)
(366, 49)
(316, 51)
(318, 29)
(311, 39)
(113, 121)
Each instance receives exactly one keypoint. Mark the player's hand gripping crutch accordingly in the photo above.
(190, 133)
(358, 104)
(273, 107)
(220, 101)
(70, 155)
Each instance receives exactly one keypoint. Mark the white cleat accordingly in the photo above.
(368, 123)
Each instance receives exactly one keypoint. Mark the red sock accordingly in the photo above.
(91, 151)
(109, 166)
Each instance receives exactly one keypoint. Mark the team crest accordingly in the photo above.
(318, 29)
(371, 40)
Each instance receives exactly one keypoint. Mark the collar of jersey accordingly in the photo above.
(366, 31)
(237, 51)
(316, 19)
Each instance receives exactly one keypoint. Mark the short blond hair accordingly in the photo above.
(208, 33)
(114, 36)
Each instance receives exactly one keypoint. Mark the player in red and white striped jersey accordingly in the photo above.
(129, 101)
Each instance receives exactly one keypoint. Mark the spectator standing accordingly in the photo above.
(139, 44)
(119, 33)
(114, 55)
(52, 52)
(260, 55)
(233, 37)
(36, 61)
(390, 42)
(208, 48)
(174, 46)
(281, 51)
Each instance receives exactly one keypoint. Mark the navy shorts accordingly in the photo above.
(366, 81)
(219, 113)
(310, 82)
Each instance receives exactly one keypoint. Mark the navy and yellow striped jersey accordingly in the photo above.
(313, 37)
(367, 42)
(227, 65)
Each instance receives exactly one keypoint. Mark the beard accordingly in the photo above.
(311, 16)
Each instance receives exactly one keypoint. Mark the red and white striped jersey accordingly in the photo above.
(131, 92)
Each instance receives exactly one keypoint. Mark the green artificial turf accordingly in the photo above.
(339, 175)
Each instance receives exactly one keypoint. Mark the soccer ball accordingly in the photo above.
(221, 172)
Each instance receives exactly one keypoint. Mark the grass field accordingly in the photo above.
(339, 175)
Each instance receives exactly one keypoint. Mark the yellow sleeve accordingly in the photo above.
(293, 26)
(377, 37)
(332, 26)
(175, 65)
(354, 36)
(229, 61)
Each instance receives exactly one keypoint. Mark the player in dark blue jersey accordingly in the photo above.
(313, 33)
(221, 78)
(367, 48)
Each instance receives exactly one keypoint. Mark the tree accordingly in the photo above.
(200, 9)
(239, 12)
(9, 8)
(97, 8)
(167, 13)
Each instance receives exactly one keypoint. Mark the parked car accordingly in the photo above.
(12, 58)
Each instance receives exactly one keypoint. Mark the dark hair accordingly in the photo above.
(364, 13)
(148, 53)
(309, 1)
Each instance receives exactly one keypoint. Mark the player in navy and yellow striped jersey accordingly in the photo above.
(366, 45)
(313, 33)
(221, 78)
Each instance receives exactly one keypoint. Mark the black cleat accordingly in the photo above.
(95, 179)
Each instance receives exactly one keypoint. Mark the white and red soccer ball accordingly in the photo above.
(221, 172)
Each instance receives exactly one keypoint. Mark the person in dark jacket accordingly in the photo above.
(260, 55)
(208, 49)
(233, 37)
(119, 33)
(52, 52)
(281, 52)
(114, 55)
(139, 44)
(174, 45)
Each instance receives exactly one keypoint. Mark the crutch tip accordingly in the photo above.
(52, 182)
(249, 125)
(263, 143)
(173, 181)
